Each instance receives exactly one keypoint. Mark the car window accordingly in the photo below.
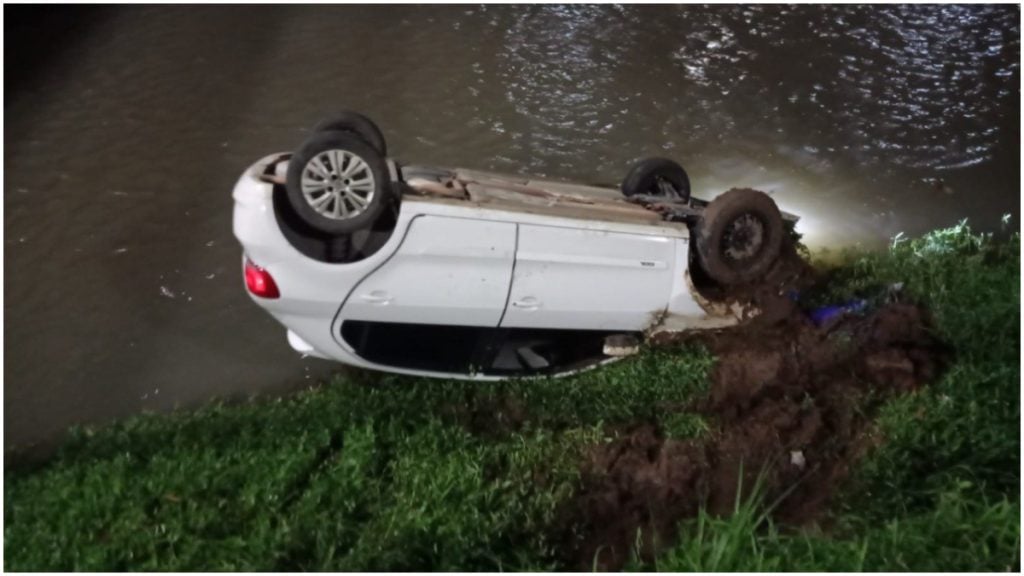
(465, 349)
(426, 347)
(529, 351)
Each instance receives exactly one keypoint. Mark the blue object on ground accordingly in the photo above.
(825, 314)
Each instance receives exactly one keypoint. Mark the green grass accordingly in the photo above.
(378, 472)
(368, 473)
(957, 535)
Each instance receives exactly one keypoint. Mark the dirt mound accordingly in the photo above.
(789, 400)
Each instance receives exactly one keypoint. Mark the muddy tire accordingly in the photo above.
(356, 123)
(338, 183)
(657, 177)
(739, 236)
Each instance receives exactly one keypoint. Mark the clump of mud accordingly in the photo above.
(770, 296)
(789, 402)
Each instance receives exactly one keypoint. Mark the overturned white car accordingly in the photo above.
(467, 274)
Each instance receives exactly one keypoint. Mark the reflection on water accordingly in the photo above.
(123, 289)
(899, 86)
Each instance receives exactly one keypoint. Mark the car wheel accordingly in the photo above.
(739, 236)
(356, 123)
(657, 177)
(337, 183)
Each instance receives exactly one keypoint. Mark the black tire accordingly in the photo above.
(739, 236)
(649, 175)
(317, 147)
(348, 121)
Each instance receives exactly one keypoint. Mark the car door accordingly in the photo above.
(436, 303)
(447, 271)
(588, 279)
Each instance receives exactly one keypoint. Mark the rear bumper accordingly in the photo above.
(303, 347)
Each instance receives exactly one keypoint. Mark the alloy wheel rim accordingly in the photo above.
(338, 184)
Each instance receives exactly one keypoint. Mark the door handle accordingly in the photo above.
(528, 303)
(376, 297)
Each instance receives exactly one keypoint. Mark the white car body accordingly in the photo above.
(585, 261)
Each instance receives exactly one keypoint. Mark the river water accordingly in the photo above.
(123, 290)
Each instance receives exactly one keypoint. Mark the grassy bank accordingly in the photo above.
(379, 472)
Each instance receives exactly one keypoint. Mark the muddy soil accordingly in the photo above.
(789, 401)
(768, 301)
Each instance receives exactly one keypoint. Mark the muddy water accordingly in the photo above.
(122, 285)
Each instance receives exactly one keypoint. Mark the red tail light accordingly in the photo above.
(259, 281)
